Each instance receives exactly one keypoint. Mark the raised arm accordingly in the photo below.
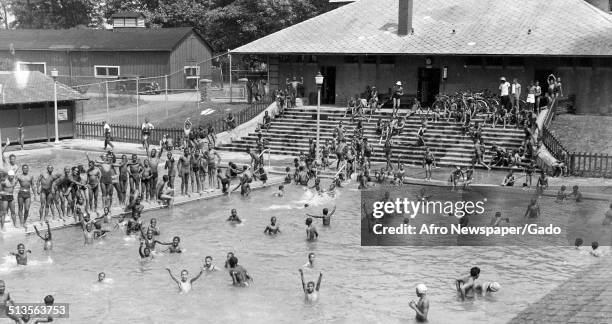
(172, 276)
(318, 281)
(333, 211)
(38, 233)
(143, 256)
(48, 229)
(198, 276)
(302, 277)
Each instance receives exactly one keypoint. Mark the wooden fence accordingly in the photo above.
(581, 164)
(132, 134)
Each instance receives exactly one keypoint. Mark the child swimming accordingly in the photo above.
(326, 216)
(208, 265)
(421, 307)
(465, 285)
(272, 228)
(21, 257)
(185, 284)
(311, 292)
(48, 245)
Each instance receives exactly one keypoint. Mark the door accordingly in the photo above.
(328, 91)
(428, 86)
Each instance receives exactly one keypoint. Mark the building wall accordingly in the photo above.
(78, 67)
(589, 81)
(191, 51)
(37, 119)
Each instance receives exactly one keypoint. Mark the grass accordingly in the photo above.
(582, 133)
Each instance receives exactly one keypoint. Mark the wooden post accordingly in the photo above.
(230, 75)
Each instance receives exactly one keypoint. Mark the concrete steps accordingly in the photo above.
(289, 135)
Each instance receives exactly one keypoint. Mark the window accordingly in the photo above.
(32, 66)
(104, 71)
(192, 72)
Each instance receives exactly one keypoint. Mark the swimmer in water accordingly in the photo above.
(311, 292)
(150, 242)
(240, 276)
(101, 277)
(326, 216)
(174, 246)
(311, 260)
(185, 284)
(208, 265)
(311, 231)
(21, 257)
(422, 306)
(5, 297)
(487, 288)
(272, 228)
(145, 253)
(466, 284)
(89, 232)
(533, 210)
(153, 227)
(280, 192)
(234, 217)
(561, 194)
(578, 243)
(47, 238)
(594, 249)
(229, 256)
(497, 219)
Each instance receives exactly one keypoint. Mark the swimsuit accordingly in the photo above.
(24, 194)
(7, 197)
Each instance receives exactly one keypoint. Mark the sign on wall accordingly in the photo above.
(62, 114)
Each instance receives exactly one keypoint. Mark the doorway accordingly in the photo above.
(328, 91)
(428, 86)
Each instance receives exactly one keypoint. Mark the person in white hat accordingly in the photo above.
(398, 92)
(487, 287)
(422, 306)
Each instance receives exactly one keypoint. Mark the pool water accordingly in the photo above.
(360, 284)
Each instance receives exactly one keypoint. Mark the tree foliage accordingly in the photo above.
(54, 14)
(226, 24)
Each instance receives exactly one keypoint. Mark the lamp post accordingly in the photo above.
(54, 75)
(319, 82)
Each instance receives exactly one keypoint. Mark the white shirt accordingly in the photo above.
(107, 127)
(147, 125)
(504, 87)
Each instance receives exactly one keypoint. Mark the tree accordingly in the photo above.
(54, 14)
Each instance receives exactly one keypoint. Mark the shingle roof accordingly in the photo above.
(127, 14)
(493, 27)
(32, 86)
(136, 39)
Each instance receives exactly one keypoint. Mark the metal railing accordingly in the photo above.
(132, 133)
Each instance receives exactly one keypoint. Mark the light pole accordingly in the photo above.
(319, 82)
(54, 75)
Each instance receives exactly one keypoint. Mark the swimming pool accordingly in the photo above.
(360, 284)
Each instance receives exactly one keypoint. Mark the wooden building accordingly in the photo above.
(444, 46)
(130, 49)
(27, 98)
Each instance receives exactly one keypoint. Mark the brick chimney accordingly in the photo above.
(404, 17)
